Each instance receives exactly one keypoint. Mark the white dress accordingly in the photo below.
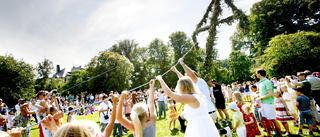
(200, 123)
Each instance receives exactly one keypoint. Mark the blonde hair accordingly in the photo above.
(238, 97)
(185, 86)
(284, 87)
(74, 129)
(139, 112)
(246, 108)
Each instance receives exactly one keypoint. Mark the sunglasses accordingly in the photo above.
(44, 94)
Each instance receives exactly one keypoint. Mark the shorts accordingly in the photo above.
(268, 111)
(305, 115)
(220, 104)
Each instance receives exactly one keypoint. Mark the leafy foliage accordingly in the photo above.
(160, 58)
(117, 79)
(44, 69)
(16, 79)
(125, 48)
(239, 66)
(181, 44)
(289, 54)
(77, 77)
(269, 18)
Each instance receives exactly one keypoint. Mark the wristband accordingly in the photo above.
(182, 63)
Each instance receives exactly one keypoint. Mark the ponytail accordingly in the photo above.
(137, 124)
(138, 113)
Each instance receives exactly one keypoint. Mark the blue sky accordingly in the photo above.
(71, 32)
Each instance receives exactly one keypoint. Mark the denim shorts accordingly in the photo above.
(305, 115)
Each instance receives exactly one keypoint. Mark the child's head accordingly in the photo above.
(277, 94)
(233, 106)
(139, 112)
(299, 91)
(171, 101)
(253, 88)
(185, 86)
(246, 108)
(284, 88)
(238, 98)
(70, 109)
(53, 110)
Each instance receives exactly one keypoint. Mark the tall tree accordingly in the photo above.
(181, 44)
(215, 9)
(117, 79)
(160, 58)
(239, 66)
(125, 47)
(269, 18)
(142, 70)
(16, 80)
(44, 69)
(289, 54)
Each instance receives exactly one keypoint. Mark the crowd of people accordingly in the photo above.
(263, 104)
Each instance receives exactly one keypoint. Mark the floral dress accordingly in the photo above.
(252, 129)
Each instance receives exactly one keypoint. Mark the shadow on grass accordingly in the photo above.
(174, 131)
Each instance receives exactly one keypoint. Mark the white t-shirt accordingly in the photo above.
(204, 89)
(161, 97)
(17, 106)
(104, 106)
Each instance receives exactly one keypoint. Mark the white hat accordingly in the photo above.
(233, 106)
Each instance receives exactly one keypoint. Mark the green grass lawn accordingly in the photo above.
(163, 126)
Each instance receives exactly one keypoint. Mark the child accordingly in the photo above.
(173, 114)
(287, 98)
(303, 104)
(257, 104)
(282, 111)
(239, 100)
(250, 122)
(238, 120)
(71, 116)
(142, 124)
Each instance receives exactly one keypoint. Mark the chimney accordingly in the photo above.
(58, 68)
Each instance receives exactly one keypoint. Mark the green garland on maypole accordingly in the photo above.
(215, 8)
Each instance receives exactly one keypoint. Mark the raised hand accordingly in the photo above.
(124, 93)
(49, 123)
(159, 77)
(152, 83)
(181, 61)
(173, 68)
(16, 132)
(115, 97)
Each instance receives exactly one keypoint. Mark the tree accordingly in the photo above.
(142, 70)
(160, 59)
(289, 54)
(16, 80)
(239, 66)
(72, 87)
(44, 69)
(181, 44)
(269, 18)
(125, 47)
(117, 79)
